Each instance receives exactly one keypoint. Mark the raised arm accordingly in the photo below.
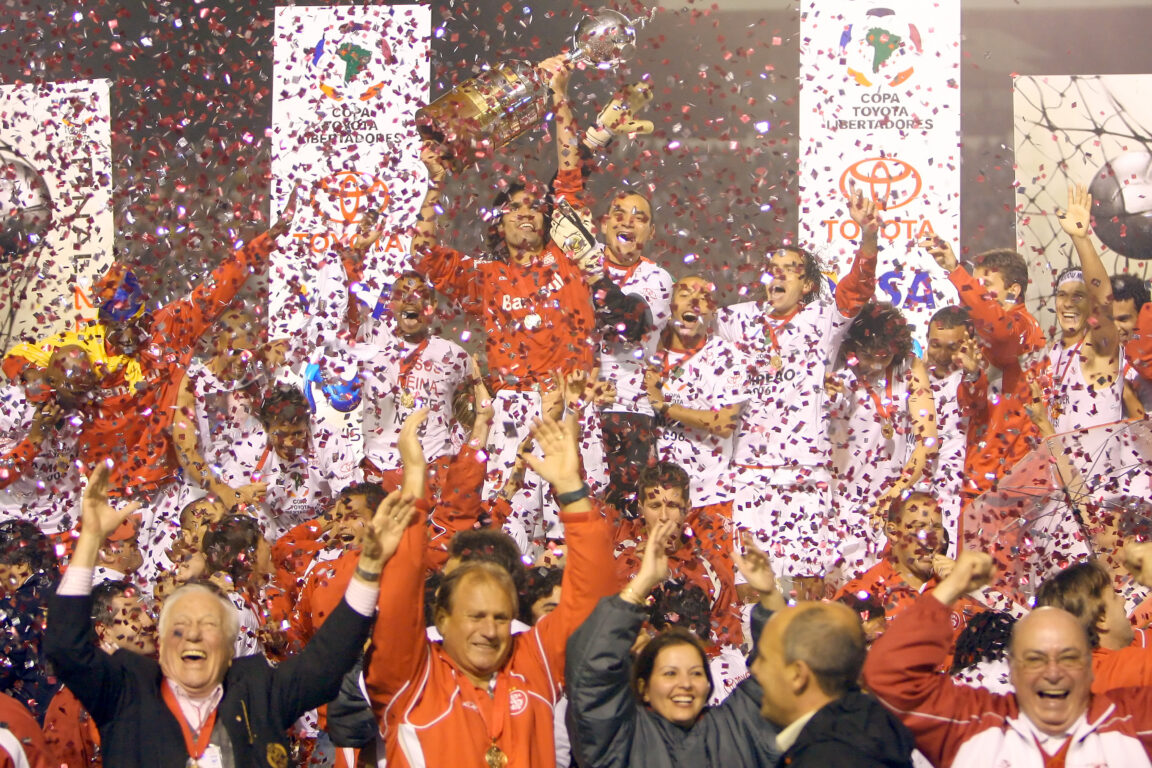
(1076, 222)
(91, 674)
(559, 72)
(185, 320)
(901, 667)
(425, 236)
(590, 571)
(922, 418)
(1007, 334)
(459, 507)
(857, 287)
(399, 643)
(186, 439)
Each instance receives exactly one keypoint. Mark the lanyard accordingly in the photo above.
(263, 460)
(500, 707)
(666, 366)
(885, 411)
(627, 271)
(194, 741)
(1072, 355)
(771, 328)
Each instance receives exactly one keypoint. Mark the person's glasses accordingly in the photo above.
(1035, 662)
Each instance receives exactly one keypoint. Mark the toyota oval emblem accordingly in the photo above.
(889, 181)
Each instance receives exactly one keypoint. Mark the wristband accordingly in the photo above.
(367, 575)
(564, 499)
(597, 137)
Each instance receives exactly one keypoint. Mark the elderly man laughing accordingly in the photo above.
(199, 706)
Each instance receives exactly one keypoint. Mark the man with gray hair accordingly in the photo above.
(198, 706)
(808, 662)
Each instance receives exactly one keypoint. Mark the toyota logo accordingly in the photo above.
(349, 194)
(890, 182)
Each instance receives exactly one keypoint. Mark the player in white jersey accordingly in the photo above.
(698, 390)
(303, 469)
(631, 332)
(782, 455)
(221, 396)
(1086, 366)
(405, 368)
(882, 428)
(953, 361)
(39, 488)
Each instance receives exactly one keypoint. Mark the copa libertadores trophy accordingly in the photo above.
(498, 105)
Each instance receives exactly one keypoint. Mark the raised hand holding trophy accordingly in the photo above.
(497, 106)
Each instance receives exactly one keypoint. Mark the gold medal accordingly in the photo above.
(495, 757)
(775, 362)
(407, 399)
(887, 431)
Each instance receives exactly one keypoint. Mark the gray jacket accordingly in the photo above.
(611, 729)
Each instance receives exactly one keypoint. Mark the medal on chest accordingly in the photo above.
(495, 757)
(407, 399)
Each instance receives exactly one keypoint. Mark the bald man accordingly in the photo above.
(1052, 719)
(808, 662)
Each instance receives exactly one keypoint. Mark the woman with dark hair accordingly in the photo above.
(882, 428)
(652, 712)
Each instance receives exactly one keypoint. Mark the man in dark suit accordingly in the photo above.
(200, 706)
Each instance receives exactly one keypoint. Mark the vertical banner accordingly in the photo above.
(56, 220)
(347, 82)
(880, 112)
(1082, 129)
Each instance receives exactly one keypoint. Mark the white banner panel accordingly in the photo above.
(880, 110)
(347, 81)
(56, 176)
(1082, 129)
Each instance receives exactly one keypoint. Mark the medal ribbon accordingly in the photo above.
(771, 328)
(666, 366)
(194, 741)
(885, 411)
(611, 268)
(1072, 355)
(499, 704)
(409, 362)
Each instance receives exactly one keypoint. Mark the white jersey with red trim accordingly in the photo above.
(785, 421)
(46, 493)
(400, 377)
(869, 448)
(1076, 403)
(225, 414)
(714, 377)
(300, 489)
(871, 442)
(623, 363)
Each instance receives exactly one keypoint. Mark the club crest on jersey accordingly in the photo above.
(517, 701)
